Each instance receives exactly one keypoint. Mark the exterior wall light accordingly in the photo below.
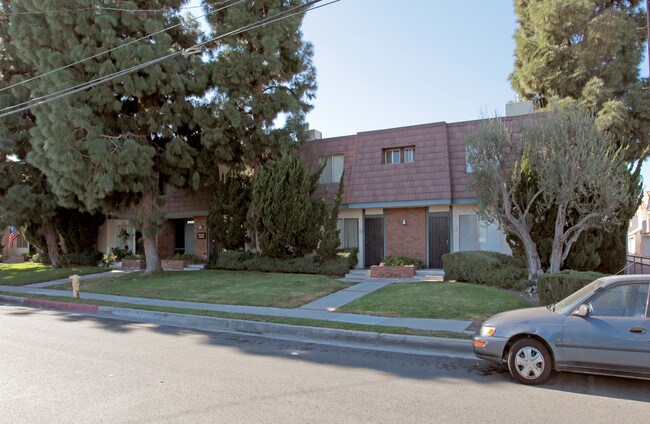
(404, 221)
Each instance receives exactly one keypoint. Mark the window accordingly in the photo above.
(393, 156)
(399, 155)
(409, 154)
(333, 169)
(348, 232)
(627, 300)
(468, 166)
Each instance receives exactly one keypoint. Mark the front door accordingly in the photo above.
(374, 241)
(438, 239)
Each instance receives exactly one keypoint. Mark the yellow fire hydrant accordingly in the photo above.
(75, 286)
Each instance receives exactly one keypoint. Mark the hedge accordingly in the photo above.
(246, 261)
(481, 267)
(552, 288)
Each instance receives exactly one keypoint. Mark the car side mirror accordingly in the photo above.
(582, 311)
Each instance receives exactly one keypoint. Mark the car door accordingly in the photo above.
(615, 334)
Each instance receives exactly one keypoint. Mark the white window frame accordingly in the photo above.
(333, 170)
(408, 150)
(390, 156)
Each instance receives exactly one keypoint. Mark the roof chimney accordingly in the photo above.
(314, 135)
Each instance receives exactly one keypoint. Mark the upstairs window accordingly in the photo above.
(399, 155)
(333, 169)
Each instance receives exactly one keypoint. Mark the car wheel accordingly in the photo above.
(529, 361)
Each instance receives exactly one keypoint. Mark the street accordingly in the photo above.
(57, 367)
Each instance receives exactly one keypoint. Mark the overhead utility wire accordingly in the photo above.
(191, 50)
(115, 48)
(94, 8)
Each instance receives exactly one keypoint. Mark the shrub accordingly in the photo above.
(41, 258)
(246, 261)
(402, 261)
(120, 253)
(81, 258)
(108, 258)
(133, 257)
(352, 254)
(554, 287)
(185, 257)
(481, 267)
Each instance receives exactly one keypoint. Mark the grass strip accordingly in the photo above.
(259, 318)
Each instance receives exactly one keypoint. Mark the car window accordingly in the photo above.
(566, 305)
(625, 300)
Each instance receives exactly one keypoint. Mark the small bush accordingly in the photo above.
(554, 287)
(81, 258)
(482, 267)
(352, 254)
(41, 258)
(133, 257)
(402, 261)
(185, 257)
(246, 261)
(120, 253)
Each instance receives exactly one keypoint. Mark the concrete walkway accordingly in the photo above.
(322, 309)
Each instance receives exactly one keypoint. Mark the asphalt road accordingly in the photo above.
(57, 367)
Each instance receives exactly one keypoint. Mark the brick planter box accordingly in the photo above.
(173, 264)
(382, 271)
(133, 263)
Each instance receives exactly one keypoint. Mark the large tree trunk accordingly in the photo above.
(532, 258)
(148, 212)
(51, 239)
(151, 253)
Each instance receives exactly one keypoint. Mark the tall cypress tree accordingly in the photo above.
(229, 208)
(288, 221)
(589, 51)
(113, 145)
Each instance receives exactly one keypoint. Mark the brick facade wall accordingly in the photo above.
(166, 240)
(201, 245)
(406, 240)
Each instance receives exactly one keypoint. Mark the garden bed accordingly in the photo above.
(385, 271)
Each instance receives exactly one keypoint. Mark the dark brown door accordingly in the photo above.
(438, 239)
(374, 241)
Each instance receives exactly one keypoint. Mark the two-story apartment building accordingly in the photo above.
(405, 192)
(638, 233)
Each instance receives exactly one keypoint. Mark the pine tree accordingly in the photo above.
(329, 239)
(113, 145)
(590, 52)
(288, 221)
(26, 199)
(229, 208)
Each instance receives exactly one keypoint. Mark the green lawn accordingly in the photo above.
(261, 318)
(442, 300)
(217, 286)
(24, 273)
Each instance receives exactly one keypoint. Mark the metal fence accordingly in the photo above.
(638, 265)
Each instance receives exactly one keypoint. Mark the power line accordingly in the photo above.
(191, 50)
(115, 48)
(95, 9)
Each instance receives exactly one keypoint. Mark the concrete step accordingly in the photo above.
(430, 272)
(194, 267)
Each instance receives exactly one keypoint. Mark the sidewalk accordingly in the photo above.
(321, 309)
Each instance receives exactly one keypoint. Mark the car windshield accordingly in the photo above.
(568, 302)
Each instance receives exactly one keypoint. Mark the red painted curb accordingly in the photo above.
(79, 307)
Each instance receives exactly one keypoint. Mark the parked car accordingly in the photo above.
(602, 328)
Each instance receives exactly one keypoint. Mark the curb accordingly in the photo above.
(254, 327)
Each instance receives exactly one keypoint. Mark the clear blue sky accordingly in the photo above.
(388, 63)
(391, 63)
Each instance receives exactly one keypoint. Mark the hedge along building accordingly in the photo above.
(405, 191)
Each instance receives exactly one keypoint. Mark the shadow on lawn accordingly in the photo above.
(412, 366)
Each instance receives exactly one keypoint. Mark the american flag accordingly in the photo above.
(13, 234)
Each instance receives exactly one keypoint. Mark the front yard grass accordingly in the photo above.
(217, 286)
(443, 300)
(259, 318)
(24, 273)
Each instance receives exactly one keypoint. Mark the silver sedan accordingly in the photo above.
(602, 328)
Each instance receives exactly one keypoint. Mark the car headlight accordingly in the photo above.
(487, 330)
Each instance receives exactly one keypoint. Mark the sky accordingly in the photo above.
(391, 63)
